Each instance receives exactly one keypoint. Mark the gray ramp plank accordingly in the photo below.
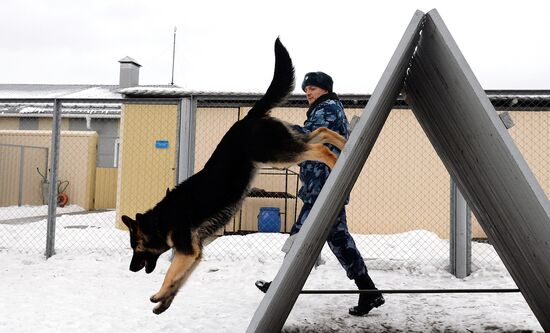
(283, 292)
(481, 156)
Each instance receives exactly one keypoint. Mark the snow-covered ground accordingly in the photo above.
(13, 212)
(18, 212)
(87, 287)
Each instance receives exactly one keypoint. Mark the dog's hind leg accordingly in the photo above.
(318, 152)
(179, 271)
(325, 135)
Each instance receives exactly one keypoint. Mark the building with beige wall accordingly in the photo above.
(84, 108)
(77, 165)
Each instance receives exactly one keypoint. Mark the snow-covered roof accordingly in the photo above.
(47, 91)
(23, 91)
(163, 91)
(68, 108)
(174, 91)
(105, 100)
(533, 94)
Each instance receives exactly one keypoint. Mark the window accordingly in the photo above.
(28, 124)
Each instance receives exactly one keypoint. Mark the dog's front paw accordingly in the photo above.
(160, 308)
(155, 298)
(163, 305)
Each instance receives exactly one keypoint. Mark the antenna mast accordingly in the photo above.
(173, 57)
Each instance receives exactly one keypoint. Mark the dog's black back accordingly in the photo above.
(206, 201)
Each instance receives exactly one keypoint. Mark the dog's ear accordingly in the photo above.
(128, 222)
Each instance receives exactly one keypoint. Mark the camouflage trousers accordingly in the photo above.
(340, 242)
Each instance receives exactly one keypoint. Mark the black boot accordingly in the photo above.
(263, 285)
(366, 301)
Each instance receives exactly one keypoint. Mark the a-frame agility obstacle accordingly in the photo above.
(473, 144)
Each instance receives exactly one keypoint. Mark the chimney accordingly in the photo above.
(129, 73)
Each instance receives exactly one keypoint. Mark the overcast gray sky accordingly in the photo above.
(228, 45)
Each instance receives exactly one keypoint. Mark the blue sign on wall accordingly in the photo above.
(161, 144)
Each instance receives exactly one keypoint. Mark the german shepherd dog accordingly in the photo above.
(196, 208)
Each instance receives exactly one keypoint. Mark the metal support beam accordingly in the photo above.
(285, 288)
(408, 291)
(479, 153)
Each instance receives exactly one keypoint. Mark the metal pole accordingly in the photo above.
(21, 178)
(52, 200)
(173, 56)
(410, 291)
(286, 199)
(186, 151)
(461, 235)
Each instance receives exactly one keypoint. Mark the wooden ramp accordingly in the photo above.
(473, 144)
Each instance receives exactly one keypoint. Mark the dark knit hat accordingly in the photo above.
(318, 79)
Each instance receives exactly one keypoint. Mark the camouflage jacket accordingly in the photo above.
(326, 111)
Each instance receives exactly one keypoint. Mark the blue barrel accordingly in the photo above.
(269, 219)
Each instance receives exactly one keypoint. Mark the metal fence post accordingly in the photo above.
(460, 245)
(186, 150)
(52, 200)
(21, 178)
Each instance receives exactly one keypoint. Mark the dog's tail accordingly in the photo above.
(281, 86)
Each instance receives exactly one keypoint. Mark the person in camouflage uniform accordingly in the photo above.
(326, 110)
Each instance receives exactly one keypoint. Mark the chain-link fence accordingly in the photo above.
(23, 194)
(400, 206)
(399, 212)
(86, 176)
